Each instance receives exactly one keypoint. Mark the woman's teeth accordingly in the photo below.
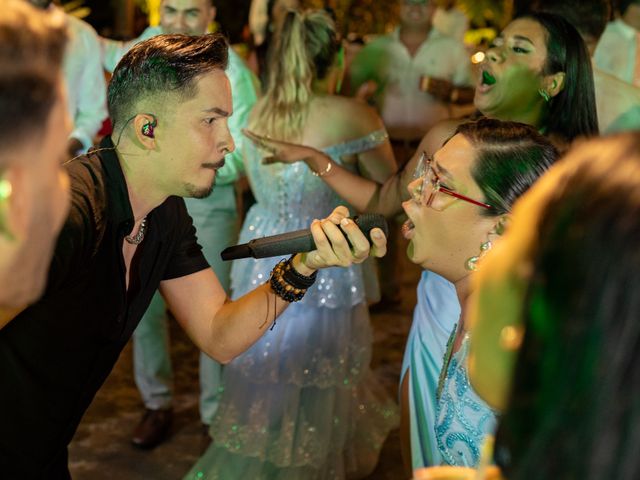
(407, 228)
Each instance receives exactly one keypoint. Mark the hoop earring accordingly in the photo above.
(544, 94)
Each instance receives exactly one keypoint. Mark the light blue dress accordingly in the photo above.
(434, 318)
(301, 403)
(463, 418)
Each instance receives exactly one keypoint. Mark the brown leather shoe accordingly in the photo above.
(153, 429)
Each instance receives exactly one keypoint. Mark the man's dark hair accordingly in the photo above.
(162, 64)
(572, 112)
(573, 410)
(32, 45)
(510, 157)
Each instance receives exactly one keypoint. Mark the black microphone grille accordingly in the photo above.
(368, 221)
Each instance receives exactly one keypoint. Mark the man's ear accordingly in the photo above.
(144, 125)
(554, 84)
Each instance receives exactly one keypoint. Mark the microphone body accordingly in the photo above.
(295, 242)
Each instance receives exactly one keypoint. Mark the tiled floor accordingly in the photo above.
(101, 448)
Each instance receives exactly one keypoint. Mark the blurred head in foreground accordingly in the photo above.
(34, 127)
(558, 298)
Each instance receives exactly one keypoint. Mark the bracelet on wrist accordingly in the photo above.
(289, 284)
(324, 172)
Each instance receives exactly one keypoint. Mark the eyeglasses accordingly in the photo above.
(426, 196)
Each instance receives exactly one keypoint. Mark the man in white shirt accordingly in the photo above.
(216, 221)
(397, 62)
(84, 78)
(618, 52)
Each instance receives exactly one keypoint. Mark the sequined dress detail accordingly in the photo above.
(463, 418)
(302, 402)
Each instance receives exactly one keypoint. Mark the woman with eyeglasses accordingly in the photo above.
(460, 206)
(302, 403)
(537, 72)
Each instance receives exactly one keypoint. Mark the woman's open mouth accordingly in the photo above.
(485, 82)
(407, 229)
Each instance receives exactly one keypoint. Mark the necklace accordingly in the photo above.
(139, 236)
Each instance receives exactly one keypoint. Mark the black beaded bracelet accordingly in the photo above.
(289, 284)
(295, 278)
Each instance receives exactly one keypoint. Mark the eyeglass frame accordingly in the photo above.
(425, 163)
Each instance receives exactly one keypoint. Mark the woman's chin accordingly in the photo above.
(411, 255)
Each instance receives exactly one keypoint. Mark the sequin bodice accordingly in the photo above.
(463, 418)
(289, 197)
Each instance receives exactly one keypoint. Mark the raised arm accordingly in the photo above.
(224, 329)
(364, 194)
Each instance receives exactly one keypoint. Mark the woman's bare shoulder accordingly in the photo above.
(351, 116)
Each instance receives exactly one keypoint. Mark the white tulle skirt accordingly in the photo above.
(301, 403)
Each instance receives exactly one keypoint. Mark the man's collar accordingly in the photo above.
(116, 185)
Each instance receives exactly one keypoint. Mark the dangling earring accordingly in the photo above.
(544, 94)
(472, 262)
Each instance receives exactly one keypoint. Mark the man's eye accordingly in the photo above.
(520, 50)
(210, 120)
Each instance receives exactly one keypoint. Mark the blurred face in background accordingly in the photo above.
(189, 17)
(416, 13)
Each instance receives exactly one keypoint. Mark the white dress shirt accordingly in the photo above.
(84, 78)
(401, 103)
(617, 52)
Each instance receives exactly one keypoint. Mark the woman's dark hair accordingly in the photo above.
(510, 157)
(164, 63)
(574, 408)
(572, 113)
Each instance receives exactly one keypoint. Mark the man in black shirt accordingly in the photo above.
(34, 126)
(127, 234)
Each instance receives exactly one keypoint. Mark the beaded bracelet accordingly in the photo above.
(289, 284)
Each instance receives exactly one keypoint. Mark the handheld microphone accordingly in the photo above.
(296, 242)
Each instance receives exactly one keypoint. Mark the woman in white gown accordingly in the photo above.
(302, 403)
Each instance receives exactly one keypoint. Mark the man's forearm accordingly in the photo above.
(239, 324)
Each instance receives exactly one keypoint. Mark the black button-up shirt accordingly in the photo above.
(56, 354)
